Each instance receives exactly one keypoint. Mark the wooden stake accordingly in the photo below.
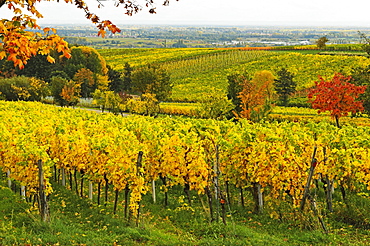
(9, 180)
(216, 171)
(329, 188)
(308, 183)
(316, 212)
(23, 192)
(139, 166)
(44, 207)
(90, 190)
(63, 177)
(153, 191)
(258, 197)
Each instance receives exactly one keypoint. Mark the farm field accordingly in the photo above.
(195, 71)
(181, 159)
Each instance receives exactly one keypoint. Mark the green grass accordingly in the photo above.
(78, 221)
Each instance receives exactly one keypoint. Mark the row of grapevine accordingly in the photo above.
(181, 152)
(306, 68)
(196, 71)
(116, 58)
(202, 64)
(329, 47)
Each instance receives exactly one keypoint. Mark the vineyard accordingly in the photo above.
(140, 57)
(195, 71)
(295, 168)
(204, 157)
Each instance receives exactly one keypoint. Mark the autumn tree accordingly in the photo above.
(21, 37)
(321, 42)
(256, 96)
(152, 79)
(284, 85)
(214, 105)
(65, 92)
(338, 96)
(37, 66)
(85, 78)
(84, 57)
(107, 100)
(235, 86)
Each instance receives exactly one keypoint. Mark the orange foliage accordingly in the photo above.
(253, 98)
(256, 94)
(71, 92)
(19, 45)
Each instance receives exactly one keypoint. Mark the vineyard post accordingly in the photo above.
(222, 200)
(329, 188)
(43, 206)
(258, 197)
(63, 177)
(139, 173)
(307, 187)
(153, 191)
(9, 180)
(316, 212)
(215, 180)
(90, 190)
(23, 192)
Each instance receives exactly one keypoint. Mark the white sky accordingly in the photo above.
(227, 12)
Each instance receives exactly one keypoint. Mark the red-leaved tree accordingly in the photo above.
(337, 95)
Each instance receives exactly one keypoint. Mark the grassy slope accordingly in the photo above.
(77, 221)
(189, 86)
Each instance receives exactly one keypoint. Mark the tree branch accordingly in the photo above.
(2, 2)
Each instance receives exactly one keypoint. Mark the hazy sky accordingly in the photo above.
(228, 12)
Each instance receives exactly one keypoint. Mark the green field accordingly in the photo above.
(196, 71)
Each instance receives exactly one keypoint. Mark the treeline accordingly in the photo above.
(85, 75)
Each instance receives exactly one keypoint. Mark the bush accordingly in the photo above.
(23, 88)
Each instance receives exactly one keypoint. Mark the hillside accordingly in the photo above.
(195, 71)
